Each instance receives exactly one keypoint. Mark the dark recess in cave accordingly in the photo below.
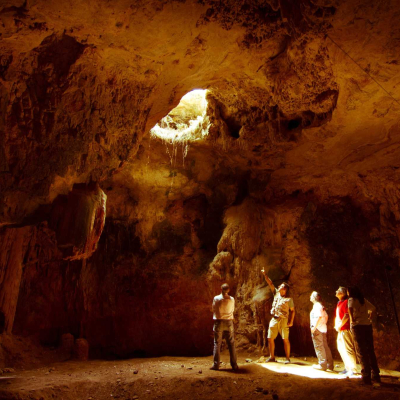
(234, 127)
(2, 322)
(339, 234)
(294, 123)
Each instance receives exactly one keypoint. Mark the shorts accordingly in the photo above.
(278, 326)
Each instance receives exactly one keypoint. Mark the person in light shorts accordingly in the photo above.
(282, 318)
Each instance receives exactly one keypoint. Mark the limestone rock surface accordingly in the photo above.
(299, 171)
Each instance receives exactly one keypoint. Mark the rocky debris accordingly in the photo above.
(7, 370)
(67, 344)
(81, 349)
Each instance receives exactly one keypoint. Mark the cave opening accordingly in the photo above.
(188, 121)
(152, 151)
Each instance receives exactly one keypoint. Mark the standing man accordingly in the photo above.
(282, 318)
(223, 308)
(318, 321)
(361, 312)
(345, 340)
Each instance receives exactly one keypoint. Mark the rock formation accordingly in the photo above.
(298, 171)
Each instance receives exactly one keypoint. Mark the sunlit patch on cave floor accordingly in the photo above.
(301, 369)
(186, 122)
(305, 369)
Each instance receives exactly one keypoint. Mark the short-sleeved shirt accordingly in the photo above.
(317, 311)
(341, 310)
(281, 305)
(223, 308)
(360, 311)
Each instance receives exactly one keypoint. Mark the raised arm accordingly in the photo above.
(270, 284)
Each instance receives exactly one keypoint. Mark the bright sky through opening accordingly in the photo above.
(186, 122)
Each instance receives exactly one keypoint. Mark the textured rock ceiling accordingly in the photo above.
(299, 171)
(83, 82)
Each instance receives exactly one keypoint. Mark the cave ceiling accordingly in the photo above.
(302, 94)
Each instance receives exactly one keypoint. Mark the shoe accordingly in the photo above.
(318, 367)
(376, 378)
(270, 360)
(344, 372)
(214, 368)
(235, 367)
(287, 361)
(350, 374)
(366, 380)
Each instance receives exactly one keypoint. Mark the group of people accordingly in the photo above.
(353, 323)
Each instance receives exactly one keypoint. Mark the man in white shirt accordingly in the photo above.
(223, 307)
(318, 321)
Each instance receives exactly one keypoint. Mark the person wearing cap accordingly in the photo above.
(282, 318)
(318, 321)
(345, 340)
(223, 307)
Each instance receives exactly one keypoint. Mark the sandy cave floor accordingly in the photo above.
(190, 378)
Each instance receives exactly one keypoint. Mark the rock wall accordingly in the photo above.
(298, 174)
(147, 290)
(34, 248)
(14, 246)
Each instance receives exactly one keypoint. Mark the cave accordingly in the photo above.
(151, 151)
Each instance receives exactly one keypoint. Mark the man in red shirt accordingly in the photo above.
(345, 341)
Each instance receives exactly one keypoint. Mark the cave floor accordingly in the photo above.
(190, 378)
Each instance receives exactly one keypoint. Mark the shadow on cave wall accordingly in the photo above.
(141, 304)
(50, 301)
(341, 250)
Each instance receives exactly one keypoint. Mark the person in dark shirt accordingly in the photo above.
(361, 312)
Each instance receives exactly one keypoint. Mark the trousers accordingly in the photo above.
(322, 350)
(364, 341)
(223, 329)
(347, 350)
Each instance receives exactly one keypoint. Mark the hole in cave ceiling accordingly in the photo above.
(186, 122)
